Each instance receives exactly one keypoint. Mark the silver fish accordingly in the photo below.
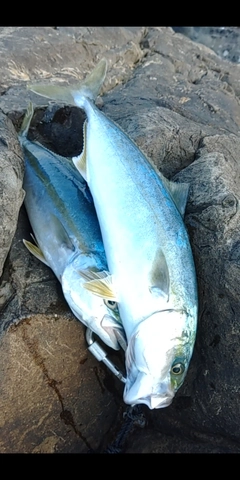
(149, 256)
(63, 218)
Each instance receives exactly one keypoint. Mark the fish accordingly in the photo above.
(152, 274)
(67, 235)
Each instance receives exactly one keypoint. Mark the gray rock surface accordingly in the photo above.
(11, 192)
(179, 101)
(225, 41)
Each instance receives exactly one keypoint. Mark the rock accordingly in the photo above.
(11, 177)
(202, 406)
(152, 441)
(213, 222)
(179, 102)
(48, 383)
(66, 54)
(225, 41)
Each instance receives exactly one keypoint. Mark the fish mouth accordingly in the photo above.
(145, 390)
(157, 402)
(152, 401)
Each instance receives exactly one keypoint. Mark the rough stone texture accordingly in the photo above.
(65, 54)
(179, 101)
(48, 383)
(11, 192)
(152, 441)
(225, 41)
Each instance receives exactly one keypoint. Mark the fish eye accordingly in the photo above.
(110, 304)
(177, 368)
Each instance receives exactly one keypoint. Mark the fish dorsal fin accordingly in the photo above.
(159, 276)
(60, 232)
(34, 250)
(99, 283)
(179, 193)
(80, 162)
(72, 94)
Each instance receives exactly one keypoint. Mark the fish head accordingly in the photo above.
(99, 314)
(157, 358)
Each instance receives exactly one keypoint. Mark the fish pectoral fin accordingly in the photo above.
(158, 293)
(99, 283)
(115, 330)
(159, 276)
(179, 193)
(101, 288)
(35, 251)
(80, 161)
(60, 233)
(93, 274)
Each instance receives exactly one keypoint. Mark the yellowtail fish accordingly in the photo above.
(64, 221)
(147, 247)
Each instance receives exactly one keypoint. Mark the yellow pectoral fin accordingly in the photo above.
(99, 283)
(35, 251)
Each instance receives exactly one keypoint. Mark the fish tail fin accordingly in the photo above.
(75, 94)
(26, 121)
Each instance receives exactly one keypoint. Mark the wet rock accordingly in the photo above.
(179, 102)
